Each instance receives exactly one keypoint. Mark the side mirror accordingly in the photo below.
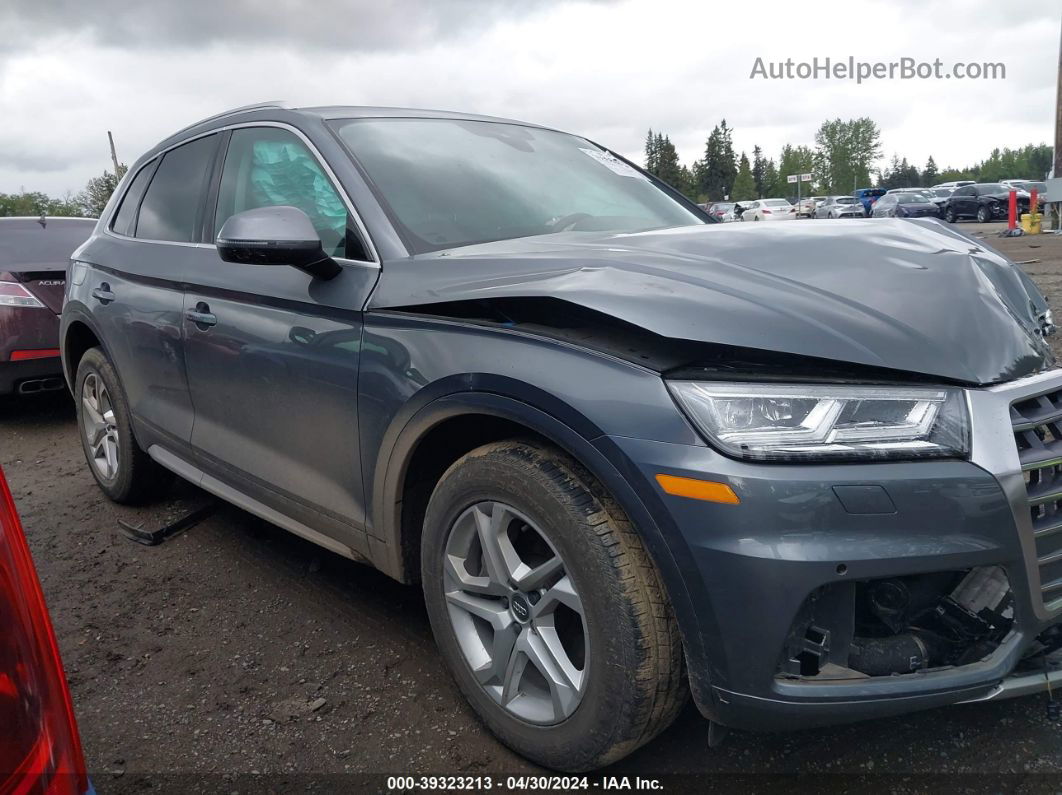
(279, 235)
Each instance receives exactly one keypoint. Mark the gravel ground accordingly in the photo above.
(237, 648)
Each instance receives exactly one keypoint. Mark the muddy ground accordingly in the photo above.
(237, 648)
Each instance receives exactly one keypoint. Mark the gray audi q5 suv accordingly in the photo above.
(805, 473)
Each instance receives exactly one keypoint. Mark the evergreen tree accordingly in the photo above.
(929, 173)
(744, 184)
(650, 152)
(718, 170)
(759, 166)
(771, 184)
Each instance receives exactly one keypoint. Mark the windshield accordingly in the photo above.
(911, 198)
(846, 200)
(453, 182)
(992, 187)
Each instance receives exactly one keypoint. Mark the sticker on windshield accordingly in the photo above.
(612, 163)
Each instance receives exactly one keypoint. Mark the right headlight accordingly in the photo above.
(786, 422)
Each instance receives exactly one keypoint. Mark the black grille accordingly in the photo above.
(1038, 432)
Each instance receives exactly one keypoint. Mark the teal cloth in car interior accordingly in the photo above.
(284, 173)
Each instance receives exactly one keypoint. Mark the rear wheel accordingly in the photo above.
(123, 471)
(547, 609)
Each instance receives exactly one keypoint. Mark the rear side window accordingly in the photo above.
(173, 199)
(125, 219)
(270, 166)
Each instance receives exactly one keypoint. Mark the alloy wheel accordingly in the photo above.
(99, 426)
(516, 614)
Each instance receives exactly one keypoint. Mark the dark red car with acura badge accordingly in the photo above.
(34, 253)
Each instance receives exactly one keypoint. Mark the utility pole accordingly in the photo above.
(1056, 171)
(1058, 113)
(114, 157)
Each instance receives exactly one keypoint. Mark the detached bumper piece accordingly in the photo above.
(1027, 682)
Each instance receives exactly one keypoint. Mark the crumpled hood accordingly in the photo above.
(912, 295)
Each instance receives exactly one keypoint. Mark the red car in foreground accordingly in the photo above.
(34, 254)
(40, 750)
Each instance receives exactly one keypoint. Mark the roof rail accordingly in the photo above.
(276, 103)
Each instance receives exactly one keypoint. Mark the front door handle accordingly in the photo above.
(201, 316)
(103, 293)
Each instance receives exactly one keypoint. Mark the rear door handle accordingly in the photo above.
(201, 315)
(103, 293)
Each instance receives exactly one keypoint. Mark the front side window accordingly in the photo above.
(175, 195)
(270, 166)
(454, 182)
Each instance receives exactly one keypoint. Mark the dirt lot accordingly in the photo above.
(237, 648)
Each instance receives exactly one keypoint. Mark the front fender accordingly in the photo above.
(578, 437)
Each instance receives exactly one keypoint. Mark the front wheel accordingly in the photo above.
(547, 609)
(949, 216)
(983, 215)
(124, 472)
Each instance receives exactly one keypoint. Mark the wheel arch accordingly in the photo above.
(79, 334)
(397, 507)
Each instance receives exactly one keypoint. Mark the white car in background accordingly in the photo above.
(768, 210)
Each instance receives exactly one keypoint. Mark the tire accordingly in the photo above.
(983, 216)
(756, 218)
(631, 685)
(124, 472)
(949, 216)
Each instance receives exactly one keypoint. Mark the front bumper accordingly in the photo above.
(755, 564)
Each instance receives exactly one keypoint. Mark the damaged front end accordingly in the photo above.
(900, 625)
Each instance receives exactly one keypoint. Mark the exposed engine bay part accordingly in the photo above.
(900, 625)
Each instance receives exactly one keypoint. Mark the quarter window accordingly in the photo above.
(125, 219)
(171, 205)
(269, 166)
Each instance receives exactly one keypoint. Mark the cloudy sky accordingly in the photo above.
(70, 70)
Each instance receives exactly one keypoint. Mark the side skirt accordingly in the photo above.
(226, 492)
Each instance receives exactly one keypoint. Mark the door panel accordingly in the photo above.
(274, 383)
(138, 313)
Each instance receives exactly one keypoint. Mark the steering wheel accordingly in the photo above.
(568, 222)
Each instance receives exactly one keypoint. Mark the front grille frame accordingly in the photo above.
(1000, 443)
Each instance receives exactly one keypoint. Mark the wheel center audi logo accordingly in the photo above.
(520, 608)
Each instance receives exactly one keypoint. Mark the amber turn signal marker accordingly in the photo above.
(698, 489)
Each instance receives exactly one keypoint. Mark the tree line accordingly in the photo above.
(87, 203)
(841, 161)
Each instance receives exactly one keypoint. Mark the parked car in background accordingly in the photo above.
(905, 204)
(867, 196)
(806, 207)
(768, 210)
(986, 201)
(840, 207)
(1028, 186)
(40, 749)
(34, 254)
(721, 211)
(534, 403)
(939, 196)
(956, 184)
